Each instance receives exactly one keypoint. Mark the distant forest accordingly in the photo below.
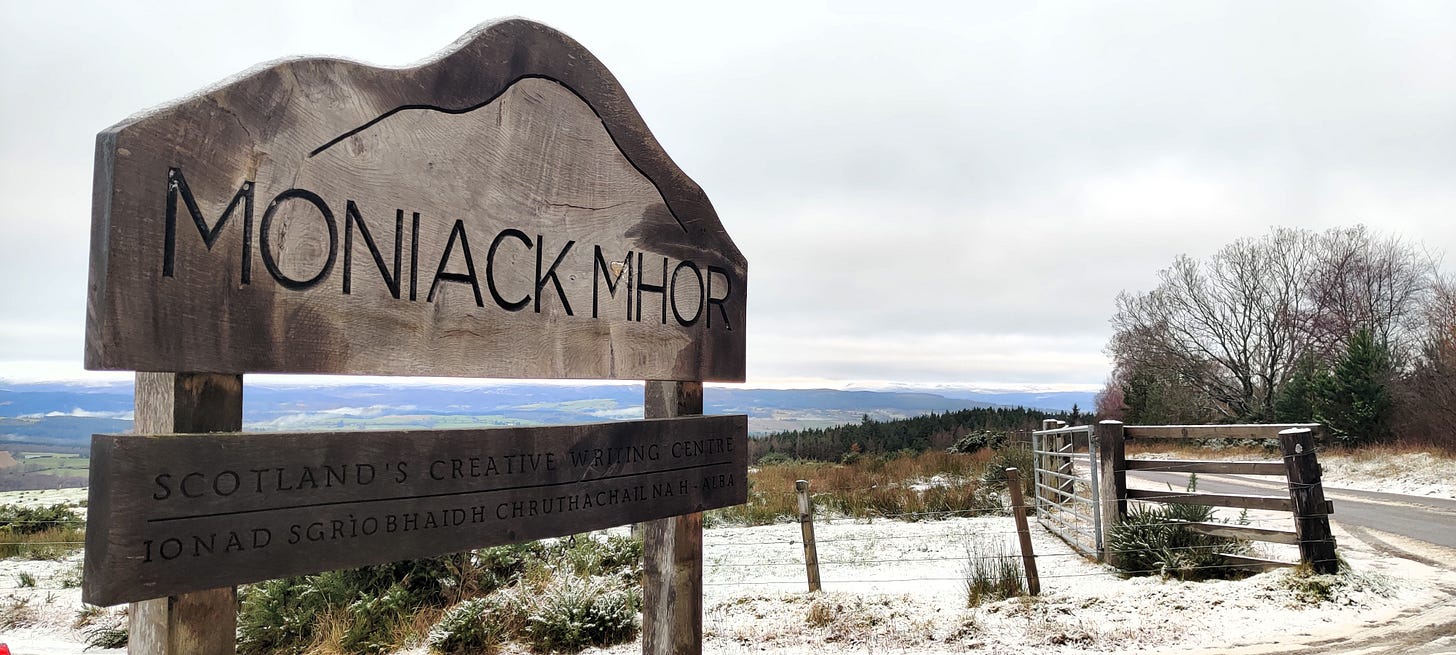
(917, 434)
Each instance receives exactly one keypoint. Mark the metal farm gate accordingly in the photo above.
(1066, 477)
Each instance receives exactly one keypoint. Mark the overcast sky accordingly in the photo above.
(926, 193)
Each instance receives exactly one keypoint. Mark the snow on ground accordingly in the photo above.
(44, 497)
(895, 586)
(1414, 474)
(49, 618)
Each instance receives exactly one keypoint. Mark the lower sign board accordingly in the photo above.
(170, 515)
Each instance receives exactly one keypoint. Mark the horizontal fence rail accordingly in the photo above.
(1305, 498)
(1232, 431)
(1243, 532)
(1200, 466)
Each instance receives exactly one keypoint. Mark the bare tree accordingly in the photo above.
(1368, 280)
(1230, 326)
(1428, 393)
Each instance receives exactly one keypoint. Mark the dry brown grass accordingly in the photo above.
(920, 486)
(51, 543)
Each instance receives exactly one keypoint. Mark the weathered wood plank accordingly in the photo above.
(1203, 466)
(189, 513)
(1275, 503)
(1243, 532)
(1253, 563)
(1110, 446)
(1245, 431)
(672, 547)
(1023, 533)
(201, 622)
(1307, 496)
(500, 211)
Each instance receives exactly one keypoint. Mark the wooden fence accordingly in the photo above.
(1299, 465)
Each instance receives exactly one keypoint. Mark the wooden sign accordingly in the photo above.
(500, 211)
(171, 515)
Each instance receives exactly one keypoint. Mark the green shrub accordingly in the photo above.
(978, 440)
(1148, 541)
(463, 629)
(573, 613)
(17, 519)
(279, 616)
(616, 556)
(479, 624)
(374, 621)
(40, 533)
(1017, 457)
(774, 458)
(491, 593)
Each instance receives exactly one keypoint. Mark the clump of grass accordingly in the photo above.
(16, 612)
(87, 615)
(71, 578)
(1017, 457)
(991, 572)
(820, 613)
(25, 579)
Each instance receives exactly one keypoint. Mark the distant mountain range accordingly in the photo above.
(65, 414)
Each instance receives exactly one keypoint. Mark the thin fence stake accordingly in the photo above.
(806, 523)
(1023, 532)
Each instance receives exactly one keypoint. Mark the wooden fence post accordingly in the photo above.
(203, 622)
(1045, 461)
(672, 548)
(1110, 445)
(1023, 531)
(806, 526)
(1306, 492)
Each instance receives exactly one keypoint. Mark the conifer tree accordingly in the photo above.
(1355, 400)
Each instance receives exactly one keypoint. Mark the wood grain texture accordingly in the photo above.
(202, 622)
(1110, 447)
(187, 513)
(1273, 503)
(1200, 466)
(1253, 563)
(1242, 532)
(806, 530)
(1307, 495)
(1023, 532)
(500, 211)
(672, 548)
(1246, 431)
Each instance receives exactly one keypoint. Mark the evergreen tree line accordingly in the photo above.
(916, 434)
(1347, 328)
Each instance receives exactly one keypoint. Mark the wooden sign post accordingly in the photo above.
(498, 211)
